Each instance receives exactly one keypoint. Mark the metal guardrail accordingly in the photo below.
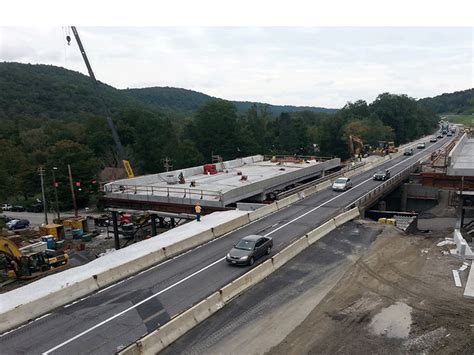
(296, 157)
(318, 181)
(168, 191)
(374, 194)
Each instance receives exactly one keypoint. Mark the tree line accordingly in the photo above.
(84, 141)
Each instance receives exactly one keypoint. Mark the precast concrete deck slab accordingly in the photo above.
(235, 180)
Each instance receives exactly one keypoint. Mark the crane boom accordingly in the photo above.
(115, 136)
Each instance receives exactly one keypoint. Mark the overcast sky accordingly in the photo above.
(279, 65)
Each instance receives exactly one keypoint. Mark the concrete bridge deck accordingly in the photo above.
(234, 181)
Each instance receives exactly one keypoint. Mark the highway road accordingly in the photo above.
(116, 316)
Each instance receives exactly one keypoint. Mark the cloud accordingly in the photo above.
(280, 65)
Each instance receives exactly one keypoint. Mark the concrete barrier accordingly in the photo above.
(38, 307)
(321, 231)
(310, 190)
(290, 252)
(469, 289)
(287, 201)
(231, 225)
(323, 185)
(246, 281)
(346, 216)
(120, 272)
(262, 212)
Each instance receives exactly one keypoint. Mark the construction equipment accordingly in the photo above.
(357, 146)
(115, 136)
(31, 261)
(391, 147)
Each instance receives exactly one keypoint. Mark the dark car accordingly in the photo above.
(249, 249)
(38, 207)
(22, 223)
(408, 151)
(18, 208)
(382, 175)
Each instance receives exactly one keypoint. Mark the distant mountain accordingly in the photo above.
(189, 100)
(458, 102)
(57, 92)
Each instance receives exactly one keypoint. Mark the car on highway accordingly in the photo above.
(450, 134)
(18, 208)
(382, 175)
(249, 249)
(421, 145)
(342, 184)
(440, 135)
(20, 224)
(408, 151)
(433, 139)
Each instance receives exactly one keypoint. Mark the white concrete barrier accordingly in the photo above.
(38, 307)
(462, 247)
(262, 212)
(469, 289)
(246, 281)
(120, 272)
(324, 185)
(290, 252)
(321, 231)
(230, 225)
(287, 201)
(346, 216)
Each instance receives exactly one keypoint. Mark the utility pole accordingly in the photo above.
(72, 191)
(55, 185)
(41, 173)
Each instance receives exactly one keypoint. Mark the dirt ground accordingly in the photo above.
(398, 298)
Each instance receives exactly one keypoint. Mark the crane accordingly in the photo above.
(115, 136)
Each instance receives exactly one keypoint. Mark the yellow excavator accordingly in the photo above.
(357, 146)
(29, 263)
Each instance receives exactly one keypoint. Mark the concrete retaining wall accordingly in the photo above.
(175, 328)
(230, 225)
(32, 310)
(454, 153)
(262, 212)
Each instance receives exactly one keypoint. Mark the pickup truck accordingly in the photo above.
(382, 175)
(6, 207)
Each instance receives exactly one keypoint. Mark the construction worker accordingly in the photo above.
(198, 209)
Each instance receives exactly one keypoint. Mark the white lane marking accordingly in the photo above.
(132, 307)
(24, 325)
(201, 270)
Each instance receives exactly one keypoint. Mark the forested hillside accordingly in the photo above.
(459, 102)
(53, 117)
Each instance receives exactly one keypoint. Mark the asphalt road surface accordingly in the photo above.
(278, 304)
(118, 315)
